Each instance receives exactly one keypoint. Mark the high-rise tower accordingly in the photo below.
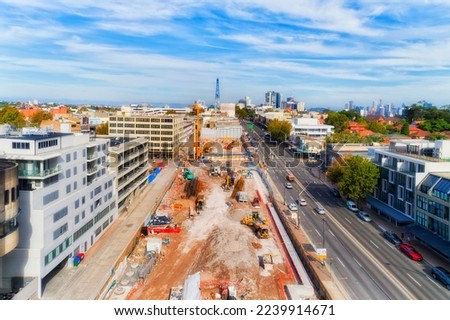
(217, 98)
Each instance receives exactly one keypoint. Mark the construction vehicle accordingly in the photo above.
(228, 184)
(199, 202)
(255, 203)
(187, 174)
(258, 224)
(215, 170)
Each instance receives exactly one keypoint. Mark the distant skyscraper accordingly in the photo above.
(273, 99)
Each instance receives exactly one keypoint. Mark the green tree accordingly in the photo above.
(437, 136)
(336, 171)
(338, 120)
(102, 129)
(12, 116)
(279, 129)
(38, 116)
(375, 126)
(359, 178)
(405, 129)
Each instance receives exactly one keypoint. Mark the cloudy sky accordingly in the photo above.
(322, 52)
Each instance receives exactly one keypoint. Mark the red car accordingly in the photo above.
(410, 251)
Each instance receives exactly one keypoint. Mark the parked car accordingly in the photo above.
(302, 202)
(410, 251)
(363, 216)
(352, 206)
(288, 185)
(292, 206)
(441, 275)
(335, 192)
(320, 210)
(392, 237)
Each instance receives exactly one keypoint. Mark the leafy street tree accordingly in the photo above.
(244, 113)
(338, 120)
(405, 129)
(336, 171)
(279, 129)
(38, 116)
(12, 116)
(375, 126)
(102, 129)
(358, 179)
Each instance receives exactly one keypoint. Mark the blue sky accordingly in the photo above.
(323, 53)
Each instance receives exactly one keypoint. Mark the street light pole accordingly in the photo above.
(323, 232)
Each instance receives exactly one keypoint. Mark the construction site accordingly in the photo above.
(213, 236)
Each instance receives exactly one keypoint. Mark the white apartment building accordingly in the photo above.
(310, 127)
(67, 199)
(402, 167)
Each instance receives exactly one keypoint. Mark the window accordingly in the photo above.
(61, 230)
(13, 194)
(68, 188)
(77, 203)
(409, 183)
(391, 176)
(50, 197)
(68, 157)
(83, 214)
(47, 144)
(384, 185)
(408, 209)
(77, 218)
(400, 192)
(390, 199)
(21, 145)
(74, 155)
(75, 171)
(68, 173)
(60, 214)
(6, 197)
(83, 199)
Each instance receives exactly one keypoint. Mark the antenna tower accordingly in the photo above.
(217, 99)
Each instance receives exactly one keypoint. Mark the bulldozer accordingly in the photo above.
(258, 224)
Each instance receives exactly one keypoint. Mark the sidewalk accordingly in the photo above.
(86, 281)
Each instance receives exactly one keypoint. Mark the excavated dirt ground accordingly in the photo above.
(216, 244)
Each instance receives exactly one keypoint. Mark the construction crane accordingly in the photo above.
(197, 109)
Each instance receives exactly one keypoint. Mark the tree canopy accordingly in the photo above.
(356, 177)
(102, 129)
(38, 116)
(337, 119)
(12, 116)
(280, 130)
(244, 113)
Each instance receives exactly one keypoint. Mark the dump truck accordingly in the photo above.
(258, 224)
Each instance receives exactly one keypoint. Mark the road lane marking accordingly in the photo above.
(434, 282)
(413, 279)
(318, 232)
(341, 262)
(359, 264)
(374, 244)
(332, 233)
(348, 220)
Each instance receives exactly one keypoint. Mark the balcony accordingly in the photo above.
(9, 236)
(39, 174)
(92, 156)
(93, 170)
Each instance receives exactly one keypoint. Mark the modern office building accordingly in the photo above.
(67, 199)
(129, 160)
(433, 206)
(402, 167)
(166, 133)
(9, 207)
(273, 99)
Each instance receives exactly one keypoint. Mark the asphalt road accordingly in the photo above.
(364, 263)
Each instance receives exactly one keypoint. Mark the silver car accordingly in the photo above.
(363, 216)
(320, 210)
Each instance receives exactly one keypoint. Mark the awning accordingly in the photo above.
(394, 214)
(431, 240)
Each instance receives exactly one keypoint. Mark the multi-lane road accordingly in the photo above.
(362, 261)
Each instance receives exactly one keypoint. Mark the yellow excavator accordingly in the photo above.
(258, 224)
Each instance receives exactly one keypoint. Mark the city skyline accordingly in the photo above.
(323, 53)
